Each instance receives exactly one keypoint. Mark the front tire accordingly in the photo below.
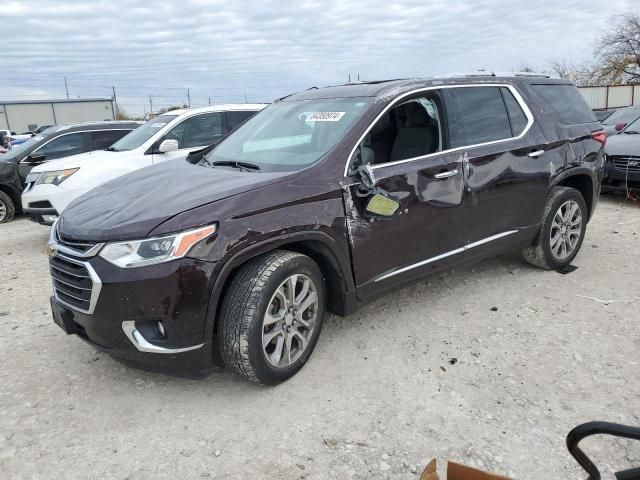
(562, 231)
(7, 208)
(271, 316)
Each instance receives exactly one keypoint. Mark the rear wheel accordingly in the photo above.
(562, 231)
(271, 316)
(7, 208)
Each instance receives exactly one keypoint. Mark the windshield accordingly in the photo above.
(633, 127)
(290, 135)
(19, 150)
(625, 115)
(141, 134)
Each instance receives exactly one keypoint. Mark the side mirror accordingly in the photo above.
(382, 206)
(619, 126)
(35, 159)
(168, 146)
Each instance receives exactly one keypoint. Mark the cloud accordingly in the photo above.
(266, 49)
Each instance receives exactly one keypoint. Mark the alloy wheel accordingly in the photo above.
(566, 229)
(3, 211)
(289, 321)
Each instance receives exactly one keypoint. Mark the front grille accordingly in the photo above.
(73, 244)
(41, 204)
(630, 163)
(72, 282)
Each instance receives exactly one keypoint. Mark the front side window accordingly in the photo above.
(476, 115)
(197, 131)
(409, 130)
(238, 117)
(290, 135)
(63, 146)
(141, 134)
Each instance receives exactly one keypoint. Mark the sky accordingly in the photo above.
(260, 50)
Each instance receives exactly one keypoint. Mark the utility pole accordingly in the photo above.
(245, 97)
(349, 78)
(115, 100)
(209, 101)
(150, 106)
(189, 97)
(66, 87)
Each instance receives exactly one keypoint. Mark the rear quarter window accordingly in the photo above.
(566, 102)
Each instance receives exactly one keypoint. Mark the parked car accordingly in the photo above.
(323, 201)
(42, 149)
(169, 136)
(622, 153)
(616, 122)
(604, 113)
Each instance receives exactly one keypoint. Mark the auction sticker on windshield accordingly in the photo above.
(325, 117)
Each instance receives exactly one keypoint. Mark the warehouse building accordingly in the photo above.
(23, 116)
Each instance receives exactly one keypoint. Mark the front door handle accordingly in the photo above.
(536, 154)
(448, 174)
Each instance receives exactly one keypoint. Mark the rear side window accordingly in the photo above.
(516, 116)
(566, 102)
(476, 115)
(235, 118)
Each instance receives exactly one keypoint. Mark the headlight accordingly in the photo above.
(138, 253)
(32, 177)
(55, 177)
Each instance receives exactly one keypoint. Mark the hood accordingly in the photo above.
(623, 144)
(83, 159)
(131, 206)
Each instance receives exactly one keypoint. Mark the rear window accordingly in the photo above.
(566, 102)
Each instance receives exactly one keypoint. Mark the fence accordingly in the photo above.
(613, 96)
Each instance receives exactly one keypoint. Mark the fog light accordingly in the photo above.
(161, 328)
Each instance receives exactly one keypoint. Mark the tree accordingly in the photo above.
(618, 52)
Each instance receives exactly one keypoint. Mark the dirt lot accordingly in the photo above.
(432, 371)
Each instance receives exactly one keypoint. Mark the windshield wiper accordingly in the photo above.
(111, 149)
(631, 132)
(235, 164)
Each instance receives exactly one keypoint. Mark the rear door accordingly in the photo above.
(506, 171)
(236, 118)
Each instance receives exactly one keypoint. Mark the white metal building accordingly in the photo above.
(613, 96)
(27, 115)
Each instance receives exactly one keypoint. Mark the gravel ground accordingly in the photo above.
(489, 365)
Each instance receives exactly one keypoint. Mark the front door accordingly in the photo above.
(425, 232)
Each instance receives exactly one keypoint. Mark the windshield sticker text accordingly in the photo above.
(326, 117)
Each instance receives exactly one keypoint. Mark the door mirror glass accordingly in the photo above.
(168, 146)
(620, 126)
(382, 205)
(35, 159)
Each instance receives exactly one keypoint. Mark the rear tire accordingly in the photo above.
(7, 208)
(562, 231)
(271, 316)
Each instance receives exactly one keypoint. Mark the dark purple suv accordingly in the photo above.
(323, 201)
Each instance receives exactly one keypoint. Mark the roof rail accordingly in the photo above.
(526, 74)
(490, 73)
(475, 73)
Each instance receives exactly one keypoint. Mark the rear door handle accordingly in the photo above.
(448, 174)
(536, 154)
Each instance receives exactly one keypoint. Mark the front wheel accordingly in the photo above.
(7, 208)
(562, 231)
(271, 316)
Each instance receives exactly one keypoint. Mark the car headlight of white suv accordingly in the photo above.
(55, 177)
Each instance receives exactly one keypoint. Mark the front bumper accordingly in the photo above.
(621, 177)
(123, 317)
(44, 203)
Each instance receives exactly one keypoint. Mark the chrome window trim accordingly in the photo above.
(95, 289)
(392, 273)
(512, 89)
(71, 133)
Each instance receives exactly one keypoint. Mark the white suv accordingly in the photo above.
(52, 186)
